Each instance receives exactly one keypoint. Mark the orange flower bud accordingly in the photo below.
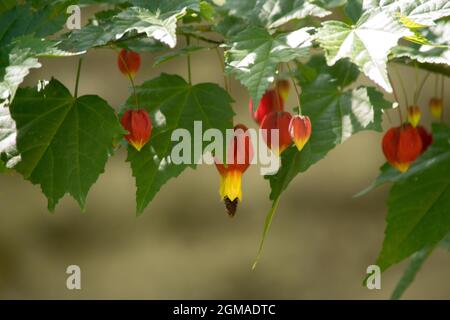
(239, 157)
(436, 107)
(270, 101)
(401, 146)
(279, 121)
(283, 87)
(139, 126)
(426, 138)
(414, 115)
(300, 130)
(129, 62)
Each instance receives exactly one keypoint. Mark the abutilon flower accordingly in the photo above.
(279, 121)
(139, 126)
(300, 130)
(401, 146)
(270, 101)
(283, 87)
(414, 115)
(426, 137)
(129, 62)
(238, 159)
(436, 107)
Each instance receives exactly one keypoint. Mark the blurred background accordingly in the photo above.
(184, 246)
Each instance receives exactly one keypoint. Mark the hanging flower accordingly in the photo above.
(139, 126)
(129, 62)
(238, 159)
(300, 130)
(401, 146)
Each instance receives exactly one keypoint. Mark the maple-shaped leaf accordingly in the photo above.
(274, 13)
(63, 142)
(173, 104)
(437, 53)
(412, 12)
(154, 19)
(17, 58)
(367, 43)
(254, 54)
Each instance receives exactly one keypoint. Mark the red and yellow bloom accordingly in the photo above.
(277, 121)
(401, 146)
(238, 159)
(139, 127)
(436, 107)
(300, 130)
(128, 62)
(270, 101)
(414, 115)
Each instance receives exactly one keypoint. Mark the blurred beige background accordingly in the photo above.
(184, 246)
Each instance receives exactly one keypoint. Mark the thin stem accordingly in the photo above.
(436, 84)
(402, 85)
(442, 97)
(77, 81)
(222, 65)
(417, 95)
(396, 99)
(297, 91)
(188, 42)
(416, 73)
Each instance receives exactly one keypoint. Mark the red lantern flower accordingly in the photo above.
(283, 87)
(300, 130)
(401, 146)
(270, 101)
(129, 62)
(238, 159)
(139, 126)
(426, 138)
(436, 107)
(277, 121)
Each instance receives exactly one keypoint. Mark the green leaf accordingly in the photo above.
(274, 13)
(439, 53)
(254, 55)
(18, 58)
(418, 214)
(417, 260)
(23, 20)
(421, 12)
(367, 44)
(173, 103)
(335, 115)
(353, 9)
(155, 19)
(169, 7)
(8, 133)
(6, 5)
(177, 53)
(63, 142)
(330, 4)
(415, 264)
(154, 24)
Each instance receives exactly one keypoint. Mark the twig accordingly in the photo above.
(297, 91)
(396, 99)
(80, 61)
(188, 42)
